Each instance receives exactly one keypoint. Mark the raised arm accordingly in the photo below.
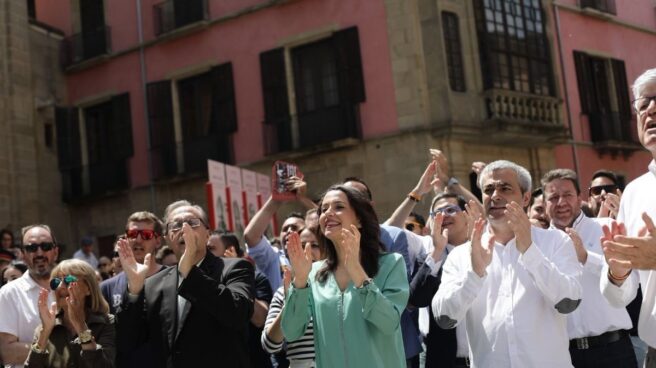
(422, 188)
(258, 225)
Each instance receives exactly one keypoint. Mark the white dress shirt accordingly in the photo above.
(595, 315)
(639, 196)
(19, 310)
(512, 312)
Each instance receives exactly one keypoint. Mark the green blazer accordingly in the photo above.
(354, 328)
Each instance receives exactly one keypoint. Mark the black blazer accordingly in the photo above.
(441, 345)
(213, 329)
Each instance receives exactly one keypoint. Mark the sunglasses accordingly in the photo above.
(412, 225)
(33, 247)
(176, 226)
(68, 279)
(450, 210)
(145, 234)
(611, 188)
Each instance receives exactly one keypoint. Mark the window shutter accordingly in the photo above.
(622, 90)
(584, 81)
(68, 138)
(224, 111)
(160, 113)
(349, 64)
(120, 131)
(274, 86)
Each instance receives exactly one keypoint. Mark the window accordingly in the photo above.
(107, 142)
(604, 95)
(207, 120)
(513, 45)
(453, 48)
(173, 14)
(328, 85)
(606, 6)
(31, 9)
(94, 37)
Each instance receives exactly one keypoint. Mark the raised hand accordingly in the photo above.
(230, 253)
(296, 185)
(427, 179)
(195, 249)
(625, 252)
(481, 256)
(286, 280)
(478, 166)
(581, 252)
(300, 259)
(473, 212)
(442, 165)
(610, 205)
(350, 247)
(440, 237)
(75, 307)
(520, 225)
(135, 272)
(46, 313)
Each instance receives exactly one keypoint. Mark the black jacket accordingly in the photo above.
(213, 329)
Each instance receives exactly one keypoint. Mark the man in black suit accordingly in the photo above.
(192, 315)
(449, 228)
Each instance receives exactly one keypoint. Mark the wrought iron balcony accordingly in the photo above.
(173, 14)
(606, 6)
(85, 45)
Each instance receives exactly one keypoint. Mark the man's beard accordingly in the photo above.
(42, 270)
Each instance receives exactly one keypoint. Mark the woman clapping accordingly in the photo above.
(355, 297)
(76, 330)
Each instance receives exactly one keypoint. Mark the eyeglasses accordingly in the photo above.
(412, 225)
(611, 188)
(642, 104)
(176, 226)
(450, 210)
(68, 279)
(145, 234)
(33, 247)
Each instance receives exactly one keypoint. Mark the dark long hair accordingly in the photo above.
(370, 246)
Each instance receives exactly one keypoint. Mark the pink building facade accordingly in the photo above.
(604, 46)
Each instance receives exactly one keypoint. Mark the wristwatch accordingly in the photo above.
(365, 284)
(85, 337)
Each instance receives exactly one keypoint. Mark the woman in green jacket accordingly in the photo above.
(355, 296)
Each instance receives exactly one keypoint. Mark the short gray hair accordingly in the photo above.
(523, 176)
(646, 78)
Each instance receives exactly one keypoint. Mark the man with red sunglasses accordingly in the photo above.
(19, 315)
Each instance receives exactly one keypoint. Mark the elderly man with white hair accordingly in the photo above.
(513, 283)
(631, 243)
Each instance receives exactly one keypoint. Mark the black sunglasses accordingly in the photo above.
(68, 279)
(33, 247)
(611, 188)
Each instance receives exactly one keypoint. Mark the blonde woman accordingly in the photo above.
(77, 330)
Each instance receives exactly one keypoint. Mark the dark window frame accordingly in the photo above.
(453, 51)
(606, 6)
(514, 48)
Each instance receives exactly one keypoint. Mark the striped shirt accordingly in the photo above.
(301, 349)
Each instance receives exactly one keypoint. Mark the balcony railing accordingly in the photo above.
(522, 108)
(606, 6)
(173, 14)
(86, 45)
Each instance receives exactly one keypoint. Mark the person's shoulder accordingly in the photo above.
(234, 263)
(112, 280)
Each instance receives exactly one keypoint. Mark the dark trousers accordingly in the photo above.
(618, 354)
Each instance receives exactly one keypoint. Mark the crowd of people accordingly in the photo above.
(521, 277)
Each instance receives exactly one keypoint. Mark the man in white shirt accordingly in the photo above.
(598, 331)
(636, 219)
(512, 283)
(19, 314)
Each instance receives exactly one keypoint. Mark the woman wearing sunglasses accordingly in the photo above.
(76, 330)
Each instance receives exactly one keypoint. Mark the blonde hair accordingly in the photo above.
(94, 302)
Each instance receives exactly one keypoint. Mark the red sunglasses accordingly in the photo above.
(145, 234)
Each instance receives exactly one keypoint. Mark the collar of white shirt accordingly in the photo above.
(652, 167)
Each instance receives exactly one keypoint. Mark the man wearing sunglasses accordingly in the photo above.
(19, 315)
(630, 246)
(598, 331)
(193, 315)
(604, 194)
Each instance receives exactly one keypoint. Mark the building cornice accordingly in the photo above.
(604, 17)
